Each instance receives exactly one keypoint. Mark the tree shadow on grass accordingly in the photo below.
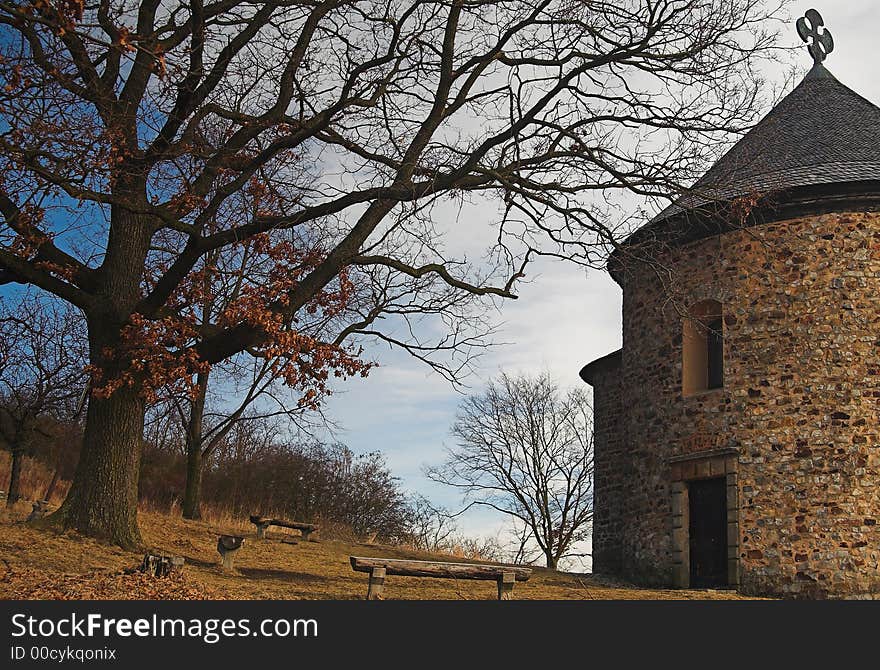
(199, 562)
(282, 575)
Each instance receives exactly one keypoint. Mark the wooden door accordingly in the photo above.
(708, 532)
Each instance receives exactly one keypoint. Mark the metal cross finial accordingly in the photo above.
(810, 28)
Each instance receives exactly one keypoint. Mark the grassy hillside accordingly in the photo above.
(44, 564)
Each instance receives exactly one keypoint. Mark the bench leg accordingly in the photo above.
(305, 535)
(506, 583)
(261, 530)
(228, 559)
(377, 584)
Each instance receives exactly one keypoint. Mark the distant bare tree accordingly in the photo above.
(433, 527)
(42, 374)
(477, 548)
(525, 448)
(240, 390)
(520, 548)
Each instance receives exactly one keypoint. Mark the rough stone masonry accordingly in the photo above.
(795, 428)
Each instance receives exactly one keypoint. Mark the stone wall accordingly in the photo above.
(800, 406)
(608, 463)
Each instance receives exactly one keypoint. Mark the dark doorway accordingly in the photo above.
(707, 502)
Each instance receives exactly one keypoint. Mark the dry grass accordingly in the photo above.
(35, 478)
(264, 569)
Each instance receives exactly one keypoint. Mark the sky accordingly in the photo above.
(564, 318)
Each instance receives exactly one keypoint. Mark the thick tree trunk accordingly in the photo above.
(14, 493)
(102, 501)
(192, 495)
(551, 560)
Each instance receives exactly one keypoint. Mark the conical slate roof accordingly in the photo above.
(820, 134)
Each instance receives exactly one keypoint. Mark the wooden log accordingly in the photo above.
(506, 582)
(408, 568)
(377, 584)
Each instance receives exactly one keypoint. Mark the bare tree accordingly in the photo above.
(525, 448)
(520, 548)
(433, 526)
(238, 391)
(127, 128)
(42, 374)
(240, 388)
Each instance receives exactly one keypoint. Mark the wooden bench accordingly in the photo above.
(262, 523)
(506, 576)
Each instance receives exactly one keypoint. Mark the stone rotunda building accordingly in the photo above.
(737, 432)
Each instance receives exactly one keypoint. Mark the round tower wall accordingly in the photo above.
(795, 429)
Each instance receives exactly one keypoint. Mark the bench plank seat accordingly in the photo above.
(505, 576)
(439, 569)
(262, 523)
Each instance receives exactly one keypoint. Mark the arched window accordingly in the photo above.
(703, 348)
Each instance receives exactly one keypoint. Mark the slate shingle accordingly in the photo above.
(821, 133)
